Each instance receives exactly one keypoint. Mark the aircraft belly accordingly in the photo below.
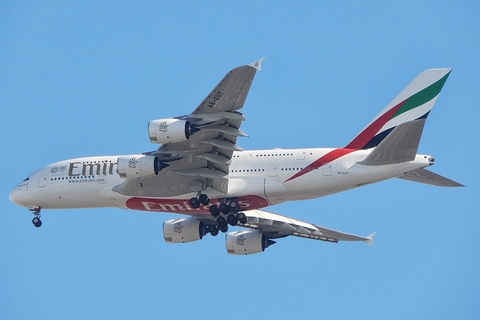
(312, 185)
(270, 189)
(275, 192)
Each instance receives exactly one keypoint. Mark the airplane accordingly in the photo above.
(200, 171)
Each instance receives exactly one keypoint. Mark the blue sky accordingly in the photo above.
(84, 78)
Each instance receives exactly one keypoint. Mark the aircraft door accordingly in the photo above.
(327, 169)
(301, 154)
(42, 181)
(272, 170)
(247, 156)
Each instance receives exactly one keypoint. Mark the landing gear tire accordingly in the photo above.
(224, 208)
(232, 220)
(204, 199)
(213, 231)
(221, 221)
(37, 222)
(214, 210)
(222, 224)
(195, 203)
(242, 218)
(233, 205)
(36, 212)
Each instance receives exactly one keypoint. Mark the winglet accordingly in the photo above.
(369, 239)
(257, 64)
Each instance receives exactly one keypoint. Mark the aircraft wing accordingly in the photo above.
(230, 93)
(277, 226)
(203, 160)
(266, 226)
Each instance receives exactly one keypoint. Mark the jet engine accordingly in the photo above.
(170, 130)
(246, 242)
(139, 166)
(183, 230)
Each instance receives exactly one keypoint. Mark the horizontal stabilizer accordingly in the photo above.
(428, 177)
(399, 146)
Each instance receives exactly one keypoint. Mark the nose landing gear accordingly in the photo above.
(37, 222)
(36, 212)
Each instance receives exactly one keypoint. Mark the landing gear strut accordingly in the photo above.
(36, 212)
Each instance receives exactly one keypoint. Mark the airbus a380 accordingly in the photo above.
(200, 171)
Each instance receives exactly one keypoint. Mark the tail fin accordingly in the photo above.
(413, 103)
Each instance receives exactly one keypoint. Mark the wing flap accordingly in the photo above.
(228, 130)
(278, 226)
(223, 144)
(202, 172)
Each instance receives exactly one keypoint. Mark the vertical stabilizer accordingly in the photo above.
(413, 103)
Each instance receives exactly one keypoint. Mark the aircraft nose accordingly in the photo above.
(16, 196)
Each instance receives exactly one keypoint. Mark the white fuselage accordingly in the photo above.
(257, 179)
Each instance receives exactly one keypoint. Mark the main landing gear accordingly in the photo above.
(226, 214)
(36, 212)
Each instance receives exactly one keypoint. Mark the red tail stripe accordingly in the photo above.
(320, 162)
(366, 135)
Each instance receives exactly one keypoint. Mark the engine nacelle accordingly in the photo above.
(139, 166)
(246, 242)
(170, 130)
(183, 230)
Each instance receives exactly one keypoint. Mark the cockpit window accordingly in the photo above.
(27, 179)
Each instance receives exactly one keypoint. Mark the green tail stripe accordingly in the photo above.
(422, 97)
